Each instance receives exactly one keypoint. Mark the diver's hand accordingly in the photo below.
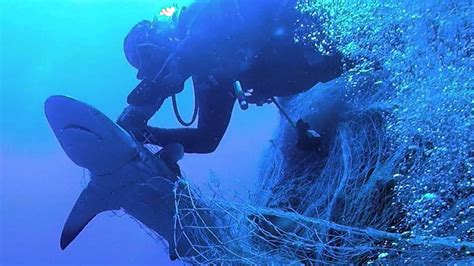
(135, 117)
(308, 139)
(171, 84)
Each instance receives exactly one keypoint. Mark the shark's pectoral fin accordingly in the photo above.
(88, 205)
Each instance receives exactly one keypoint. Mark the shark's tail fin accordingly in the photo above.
(88, 205)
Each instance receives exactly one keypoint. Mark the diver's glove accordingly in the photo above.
(308, 139)
(171, 154)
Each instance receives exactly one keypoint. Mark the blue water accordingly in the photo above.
(74, 47)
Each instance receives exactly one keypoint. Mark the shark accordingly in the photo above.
(124, 175)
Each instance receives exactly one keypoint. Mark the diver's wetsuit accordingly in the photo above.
(215, 109)
(250, 41)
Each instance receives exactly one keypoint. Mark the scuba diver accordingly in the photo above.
(241, 50)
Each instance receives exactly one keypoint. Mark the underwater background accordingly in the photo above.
(75, 48)
(420, 157)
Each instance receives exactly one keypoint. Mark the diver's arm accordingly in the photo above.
(215, 110)
(135, 116)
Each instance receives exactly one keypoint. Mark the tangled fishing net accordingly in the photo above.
(393, 181)
(342, 209)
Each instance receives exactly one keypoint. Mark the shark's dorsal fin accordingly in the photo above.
(88, 205)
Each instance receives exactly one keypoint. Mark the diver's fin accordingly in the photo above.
(87, 206)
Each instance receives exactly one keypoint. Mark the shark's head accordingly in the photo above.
(124, 174)
(87, 136)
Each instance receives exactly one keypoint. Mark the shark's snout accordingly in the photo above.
(87, 136)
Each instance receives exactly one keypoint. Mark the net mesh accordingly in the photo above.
(349, 223)
(341, 210)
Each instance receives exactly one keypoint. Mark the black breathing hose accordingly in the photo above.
(178, 116)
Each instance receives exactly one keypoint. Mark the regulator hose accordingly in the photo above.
(177, 114)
